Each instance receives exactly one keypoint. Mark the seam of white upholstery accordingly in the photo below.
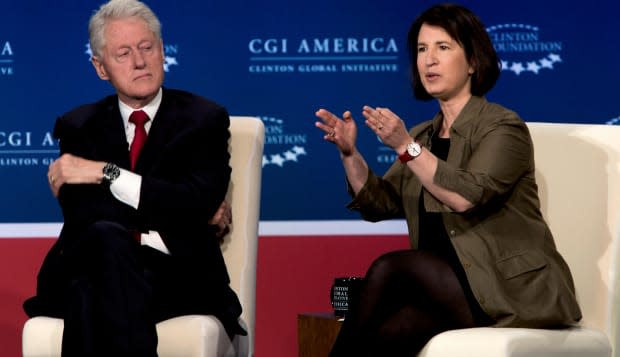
(247, 189)
(613, 308)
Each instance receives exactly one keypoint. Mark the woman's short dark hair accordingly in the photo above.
(466, 29)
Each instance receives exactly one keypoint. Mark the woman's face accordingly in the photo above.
(443, 68)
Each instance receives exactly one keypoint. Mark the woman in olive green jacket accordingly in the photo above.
(481, 253)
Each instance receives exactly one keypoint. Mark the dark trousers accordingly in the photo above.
(108, 292)
(111, 292)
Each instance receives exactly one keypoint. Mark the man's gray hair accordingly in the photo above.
(119, 9)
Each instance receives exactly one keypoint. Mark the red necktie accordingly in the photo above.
(138, 117)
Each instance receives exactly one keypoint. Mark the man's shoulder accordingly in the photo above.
(193, 109)
(190, 100)
(81, 114)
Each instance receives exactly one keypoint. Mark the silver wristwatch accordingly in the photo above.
(110, 173)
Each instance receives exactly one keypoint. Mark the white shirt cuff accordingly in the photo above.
(126, 188)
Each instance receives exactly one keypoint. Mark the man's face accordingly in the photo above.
(132, 60)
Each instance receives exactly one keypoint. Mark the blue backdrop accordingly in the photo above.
(281, 61)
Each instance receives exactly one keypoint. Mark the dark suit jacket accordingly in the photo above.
(185, 176)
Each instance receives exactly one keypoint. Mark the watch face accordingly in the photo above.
(110, 172)
(414, 149)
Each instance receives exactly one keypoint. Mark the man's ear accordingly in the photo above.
(99, 68)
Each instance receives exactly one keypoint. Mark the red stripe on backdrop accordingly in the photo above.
(294, 275)
(20, 260)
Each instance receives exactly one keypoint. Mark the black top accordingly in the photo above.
(434, 238)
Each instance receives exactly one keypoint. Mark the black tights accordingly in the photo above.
(408, 297)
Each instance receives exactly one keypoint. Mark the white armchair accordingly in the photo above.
(578, 174)
(201, 335)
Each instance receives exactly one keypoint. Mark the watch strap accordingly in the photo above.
(405, 157)
(412, 151)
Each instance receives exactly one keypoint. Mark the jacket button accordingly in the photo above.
(452, 232)
(466, 265)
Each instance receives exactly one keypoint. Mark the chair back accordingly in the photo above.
(578, 174)
(240, 246)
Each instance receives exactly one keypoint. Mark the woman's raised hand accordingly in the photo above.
(341, 132)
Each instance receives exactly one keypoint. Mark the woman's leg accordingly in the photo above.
(408, 297)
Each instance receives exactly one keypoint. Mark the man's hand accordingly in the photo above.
(73, 169)
(222, 219)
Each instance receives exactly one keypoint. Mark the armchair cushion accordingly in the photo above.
(518, 342)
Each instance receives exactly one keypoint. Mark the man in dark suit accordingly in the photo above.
(136, 247)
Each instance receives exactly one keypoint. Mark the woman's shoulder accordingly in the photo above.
(481, 117)
(495, 112)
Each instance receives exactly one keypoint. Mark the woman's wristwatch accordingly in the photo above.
(413, 150)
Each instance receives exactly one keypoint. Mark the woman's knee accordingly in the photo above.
(388, 264)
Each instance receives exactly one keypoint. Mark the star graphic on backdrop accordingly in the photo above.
(277, 159)
(169, 61)
(517, 67)
(533, 67)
